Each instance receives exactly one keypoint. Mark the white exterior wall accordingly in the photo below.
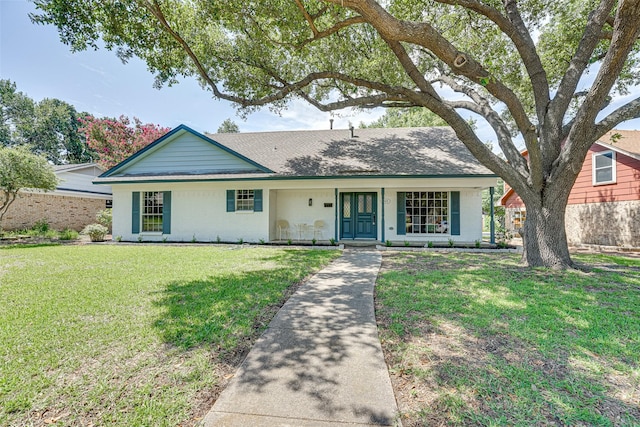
(199, 208)
(293, 206)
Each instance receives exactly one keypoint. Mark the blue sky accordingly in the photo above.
(99, 83)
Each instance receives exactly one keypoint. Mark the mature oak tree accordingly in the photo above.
(521, 65)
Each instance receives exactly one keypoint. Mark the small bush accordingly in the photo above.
(478, 243)
(96, 232)
(332, 241)
(105, 217)
(41, 227)
(68, 234)
(406, 243)
(164, 239)
(118, 238)
(451, 242)
(429, 244)
(193, 239)
(261, 241)
(388, 243)
(289, 242)
(313, 241)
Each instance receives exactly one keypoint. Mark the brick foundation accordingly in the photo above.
(609, 223)
(59, 211)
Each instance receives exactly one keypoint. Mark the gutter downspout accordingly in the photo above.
(382, 219)
(336, 216)
(492, 223)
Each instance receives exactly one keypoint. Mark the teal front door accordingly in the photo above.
(358, 216)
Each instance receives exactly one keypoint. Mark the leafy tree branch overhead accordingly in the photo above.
(518, 64)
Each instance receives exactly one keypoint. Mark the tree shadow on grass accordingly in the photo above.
(230, 310)
(493, 342)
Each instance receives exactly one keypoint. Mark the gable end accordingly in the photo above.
(186, 152)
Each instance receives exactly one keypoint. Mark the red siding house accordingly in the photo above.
(604, 204)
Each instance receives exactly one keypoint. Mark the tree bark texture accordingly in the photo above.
(545, 237)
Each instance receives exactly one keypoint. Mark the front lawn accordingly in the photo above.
(478, 340)
(132, 335)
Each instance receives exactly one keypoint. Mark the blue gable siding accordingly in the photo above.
(188, 153)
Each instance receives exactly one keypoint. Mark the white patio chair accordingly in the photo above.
(283, 228)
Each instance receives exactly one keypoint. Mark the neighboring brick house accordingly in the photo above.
(604, 203)
(73, 204)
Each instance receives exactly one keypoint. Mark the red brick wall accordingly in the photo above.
(59, 211)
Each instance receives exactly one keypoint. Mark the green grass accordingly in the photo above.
(132, 335)
(478, 340)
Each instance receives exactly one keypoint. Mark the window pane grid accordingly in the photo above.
(427, 212)
(603, 168)
(152, 211)
(244, 200)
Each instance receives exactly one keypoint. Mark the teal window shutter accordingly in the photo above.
(402, 214)
(231, 200)
(166, 212)
(257, 200)
(135, 212)
(455, 213)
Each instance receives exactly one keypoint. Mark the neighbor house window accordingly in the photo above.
(604, 168)
(427, 212)
(152, 207)
(244, 200)
(519, 217)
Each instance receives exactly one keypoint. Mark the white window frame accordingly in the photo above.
(245, 204)
(156, 211)
(594, 169)
(429, 215)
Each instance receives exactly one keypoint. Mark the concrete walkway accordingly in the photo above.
(320, 362)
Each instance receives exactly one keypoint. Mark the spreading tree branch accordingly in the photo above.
(581, 135)
(578, 64)
(481, 106)
(628, 111)
(317, 35)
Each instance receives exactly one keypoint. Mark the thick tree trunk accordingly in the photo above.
(545, 236)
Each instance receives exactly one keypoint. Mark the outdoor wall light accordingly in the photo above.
(310, 202)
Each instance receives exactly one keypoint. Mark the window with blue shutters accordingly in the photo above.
(244, 200)
(151, 212)
(428, 212)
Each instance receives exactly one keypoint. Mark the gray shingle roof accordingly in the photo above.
(380, 151)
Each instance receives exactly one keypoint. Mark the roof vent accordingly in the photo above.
(331, 124)
(351, 129)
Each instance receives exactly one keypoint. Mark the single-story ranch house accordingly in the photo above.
(410, 184)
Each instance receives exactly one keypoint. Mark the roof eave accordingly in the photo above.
(167, 178)
(619, 150)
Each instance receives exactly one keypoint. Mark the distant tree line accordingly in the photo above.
(55, 130)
